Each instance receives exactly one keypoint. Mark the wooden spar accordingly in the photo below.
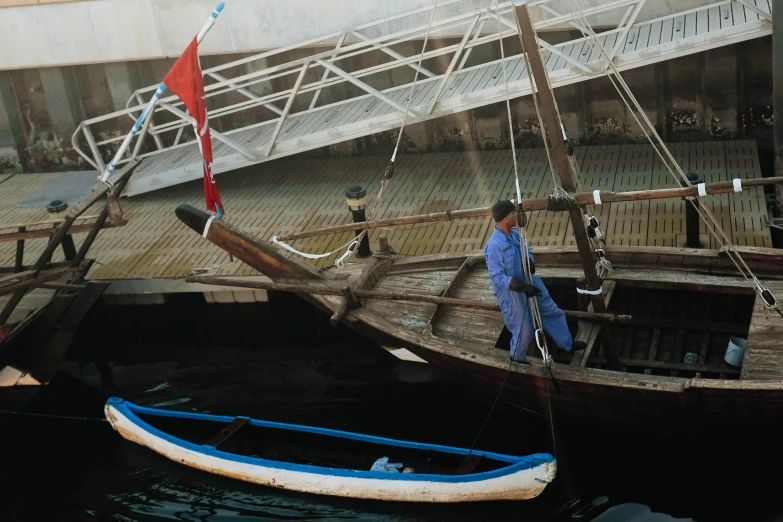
(62, 230)
(261, 255)
(32, 282)
(529, 205)
(49, 232)
(321, 288)
(546, 98)
(100, 220)
(47, 222)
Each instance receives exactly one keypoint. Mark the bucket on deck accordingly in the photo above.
(735, 352)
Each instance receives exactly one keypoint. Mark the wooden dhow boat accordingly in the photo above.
(330, 462)
(671, 314)
(657, 330)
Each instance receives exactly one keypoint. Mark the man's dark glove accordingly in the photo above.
(517, 285)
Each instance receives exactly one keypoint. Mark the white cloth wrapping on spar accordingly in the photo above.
(504, 261)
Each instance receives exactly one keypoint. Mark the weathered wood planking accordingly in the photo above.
(302, 194)
(31, 302)
(764, 350)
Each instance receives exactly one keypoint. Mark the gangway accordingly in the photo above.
(259, 112)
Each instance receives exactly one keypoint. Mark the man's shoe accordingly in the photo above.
(578, 345)
(519, 362)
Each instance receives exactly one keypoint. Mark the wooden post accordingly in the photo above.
(19, 266)
(777, 99)
(69, 249)
(527, 36)
(112, 208)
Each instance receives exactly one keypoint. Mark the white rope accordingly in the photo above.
(354, 243)
(310, 256)
(704, 212)
(206, 227)
(590, 292)
(523, 246)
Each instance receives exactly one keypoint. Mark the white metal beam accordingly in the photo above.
(360, 84)
(326, 71)
(452, 64)
(396, 55)
(287, 108)
(750, 4)
(245, 92)
(217, 135)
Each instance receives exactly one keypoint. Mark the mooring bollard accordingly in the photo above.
(354, 196)
(692, 215)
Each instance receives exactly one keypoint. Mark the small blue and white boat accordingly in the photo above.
(330, 462)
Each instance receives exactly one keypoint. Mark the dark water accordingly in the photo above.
(285, 363)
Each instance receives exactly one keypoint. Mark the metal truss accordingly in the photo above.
(356, 82)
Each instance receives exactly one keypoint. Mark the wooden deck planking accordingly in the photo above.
(709, 160)
(545, 227)
(32, 301)
(764, 352)
(302, 193)
(667, 216)
(748, 207)
(628, 223)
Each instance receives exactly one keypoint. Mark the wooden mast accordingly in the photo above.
(546, 99)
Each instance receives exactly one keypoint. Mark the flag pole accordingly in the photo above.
(151, 104)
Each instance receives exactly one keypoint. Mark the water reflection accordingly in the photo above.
(78, 470)
(635, 513)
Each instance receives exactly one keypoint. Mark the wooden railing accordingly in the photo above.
(59, 232)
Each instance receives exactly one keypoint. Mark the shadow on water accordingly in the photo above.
(283, 362)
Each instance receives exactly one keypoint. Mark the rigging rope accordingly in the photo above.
(768, 299)
(387, 175)
(523, 246)
(51, 416)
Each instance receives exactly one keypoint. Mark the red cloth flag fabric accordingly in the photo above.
(185, 80)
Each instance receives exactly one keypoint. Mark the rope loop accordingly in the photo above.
(340, 263)
(541, 343)
(584, 291)
(561, 201)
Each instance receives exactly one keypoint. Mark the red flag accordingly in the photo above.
(185, 80)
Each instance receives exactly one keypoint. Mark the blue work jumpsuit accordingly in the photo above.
(504, 261)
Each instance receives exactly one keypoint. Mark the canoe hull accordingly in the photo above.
(520, 484)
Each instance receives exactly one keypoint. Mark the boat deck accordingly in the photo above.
(299, 194)
(764, 350)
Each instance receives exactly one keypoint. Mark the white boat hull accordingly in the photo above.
(519, 485)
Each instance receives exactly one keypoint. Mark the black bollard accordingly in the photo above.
(354, 196)
(692, 215)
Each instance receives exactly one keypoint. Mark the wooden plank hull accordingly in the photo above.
(669, 398)
(521, 479)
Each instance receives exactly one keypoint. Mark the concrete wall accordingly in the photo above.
(38, 33)
(725, 93)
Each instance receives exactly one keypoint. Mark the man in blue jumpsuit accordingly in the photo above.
(512, 288)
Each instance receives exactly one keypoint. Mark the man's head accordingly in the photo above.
(504, 214)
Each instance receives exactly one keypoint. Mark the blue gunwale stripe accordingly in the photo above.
(516, 463)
